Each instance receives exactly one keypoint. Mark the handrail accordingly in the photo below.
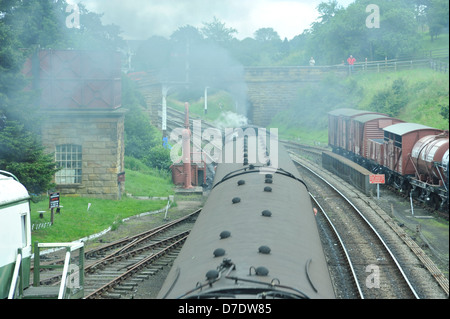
(62, 288)
(12, 288)
(70, 247)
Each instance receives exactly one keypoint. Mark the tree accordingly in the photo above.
(92, 34)
(216, 31)
(267, 35)
(344, 31)
(185, 34)
(22, 154)
(21, 151)
(328, 10)
(438, 17)
(26, 26)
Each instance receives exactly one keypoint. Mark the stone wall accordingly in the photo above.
(273, 89)
(101, 137)
(269, 89)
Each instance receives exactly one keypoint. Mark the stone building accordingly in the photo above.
(83, 121)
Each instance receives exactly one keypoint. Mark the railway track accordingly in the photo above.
(428, 280)
(376, 270)
(314, 153)
(367, 268)
(175, 119)
(115, 270)
(118, 273)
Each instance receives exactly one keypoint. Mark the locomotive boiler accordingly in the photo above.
(256, 236)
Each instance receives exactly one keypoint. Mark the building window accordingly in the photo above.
(68, 159)
(23, 222)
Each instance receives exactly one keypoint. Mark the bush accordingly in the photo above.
(391, 100)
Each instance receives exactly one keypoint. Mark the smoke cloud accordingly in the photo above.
(141, 19)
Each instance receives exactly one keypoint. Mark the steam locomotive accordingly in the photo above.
(256, 236)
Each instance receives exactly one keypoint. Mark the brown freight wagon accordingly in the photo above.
(399, 140)
(339, 128)
(366, 127)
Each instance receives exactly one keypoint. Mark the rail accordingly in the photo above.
(344, 249)
(394, 259)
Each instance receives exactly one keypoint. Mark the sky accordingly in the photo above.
(141, 19)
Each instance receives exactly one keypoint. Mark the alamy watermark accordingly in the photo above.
(73, 277)
(373, 19)
(73, 19)
(213, 146)
(373, 280)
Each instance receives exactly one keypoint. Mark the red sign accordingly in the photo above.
(376, 179)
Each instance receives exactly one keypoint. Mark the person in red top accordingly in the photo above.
(351, 61)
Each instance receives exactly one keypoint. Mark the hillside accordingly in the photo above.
(419, 96)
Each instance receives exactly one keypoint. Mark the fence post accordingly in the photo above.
(36, 272)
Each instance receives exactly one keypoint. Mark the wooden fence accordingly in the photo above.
(398, 65)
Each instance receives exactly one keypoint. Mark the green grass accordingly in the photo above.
(441, 42)
(75, 220)
(142, 180)
(143, 184)
(428, 90)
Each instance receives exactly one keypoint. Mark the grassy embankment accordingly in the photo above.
(426, 90)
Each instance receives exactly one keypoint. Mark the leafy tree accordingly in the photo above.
(26, 26)
(343, 31)
(327, 11)
(438, 17)
(216, 31)
(187, 34)
(22, 154)
(267, 35)
(92, 34)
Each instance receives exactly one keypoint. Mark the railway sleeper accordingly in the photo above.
(111, 295)
(124, 288)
